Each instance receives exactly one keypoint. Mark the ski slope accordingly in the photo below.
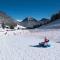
(18, 45)
(53, 25)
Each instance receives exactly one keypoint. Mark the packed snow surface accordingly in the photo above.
(22, 45)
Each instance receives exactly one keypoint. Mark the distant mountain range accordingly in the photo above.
(53, 25)
(30, 22)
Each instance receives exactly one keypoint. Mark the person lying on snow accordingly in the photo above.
(45, 43)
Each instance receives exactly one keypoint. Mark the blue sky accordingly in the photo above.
(19, 9)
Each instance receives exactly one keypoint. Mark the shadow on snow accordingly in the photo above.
(39, 46)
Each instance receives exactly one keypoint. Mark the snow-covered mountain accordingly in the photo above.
(4, 18)
(29, 22)
(44, 21)
(52, 25)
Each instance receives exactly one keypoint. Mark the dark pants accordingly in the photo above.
(43, 45)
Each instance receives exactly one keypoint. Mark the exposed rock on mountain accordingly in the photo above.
(7, 20)
(29, 22)
(52, 25)
(44, 21)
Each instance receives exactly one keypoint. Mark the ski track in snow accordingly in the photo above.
(17, 45)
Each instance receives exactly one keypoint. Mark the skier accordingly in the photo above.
(45, 43)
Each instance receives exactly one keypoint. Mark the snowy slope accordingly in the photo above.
(17, 45)
(52, 25)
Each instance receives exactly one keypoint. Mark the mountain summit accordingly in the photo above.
(29, 22)
(29, 19)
